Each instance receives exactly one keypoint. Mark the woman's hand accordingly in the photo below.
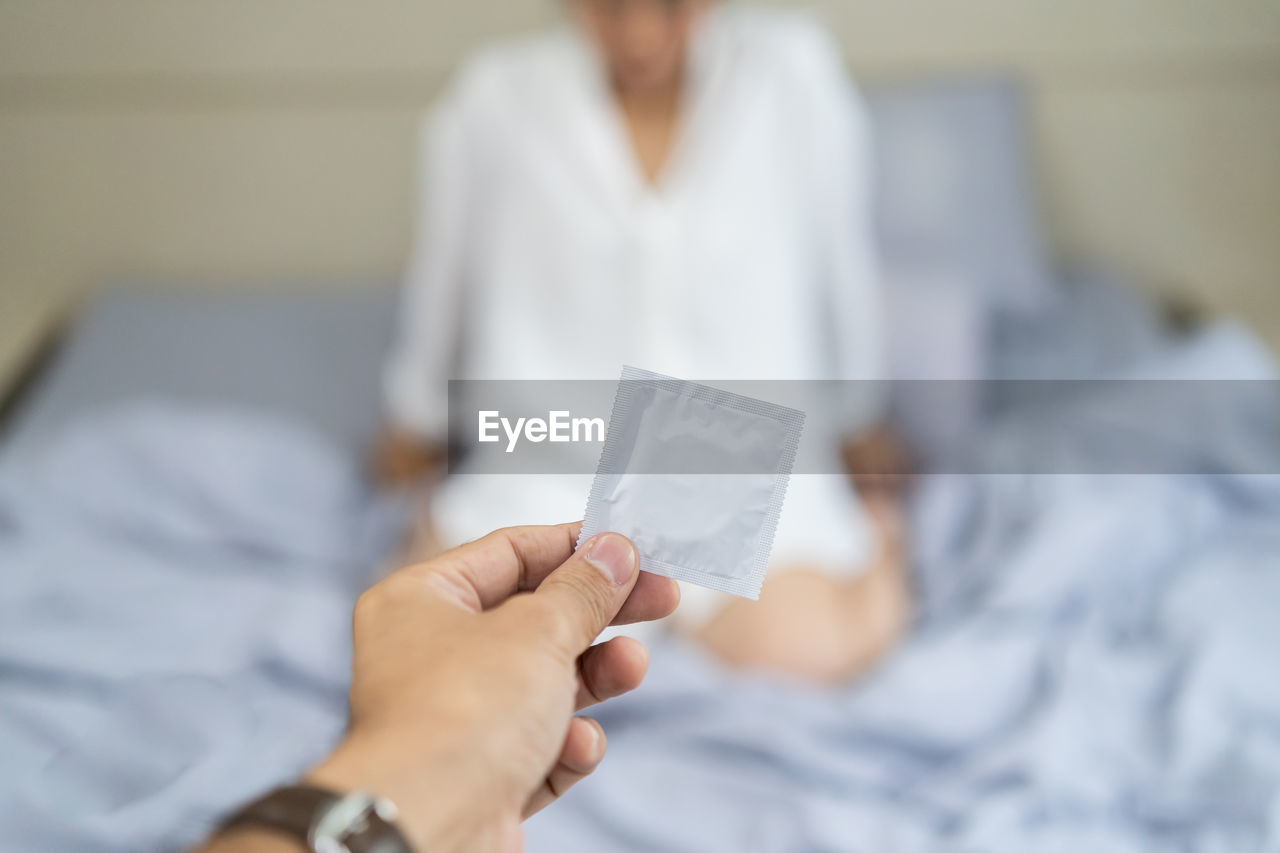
(467, 672)
(402, 460)
(879, 463)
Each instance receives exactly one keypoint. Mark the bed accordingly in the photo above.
(184, 525)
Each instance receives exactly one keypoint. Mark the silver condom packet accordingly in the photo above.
(696, 477)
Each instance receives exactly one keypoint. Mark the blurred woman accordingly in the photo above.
(676, 184)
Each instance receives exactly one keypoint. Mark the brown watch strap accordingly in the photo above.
(293, 810)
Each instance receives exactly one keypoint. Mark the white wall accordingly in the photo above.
(235, 139)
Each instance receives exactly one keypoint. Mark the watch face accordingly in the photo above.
(328, 822)
(329, 845)
(347, 817)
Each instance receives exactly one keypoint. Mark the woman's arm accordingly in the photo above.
(842, 177)
(425, 356)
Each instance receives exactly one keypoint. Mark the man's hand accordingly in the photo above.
(467, 672)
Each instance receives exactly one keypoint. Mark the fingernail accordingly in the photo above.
(613, 556)
(595, 737)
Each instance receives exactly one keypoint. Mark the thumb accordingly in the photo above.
(584, 595)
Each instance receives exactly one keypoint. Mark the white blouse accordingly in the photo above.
(543, 253)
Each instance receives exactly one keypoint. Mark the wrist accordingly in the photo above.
(252, 840)
(435, 813)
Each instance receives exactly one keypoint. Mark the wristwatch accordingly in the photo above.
(327, 822)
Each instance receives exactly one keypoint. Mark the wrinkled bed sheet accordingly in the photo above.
(174, 625)
(1093, 668)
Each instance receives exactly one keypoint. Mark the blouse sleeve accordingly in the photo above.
(427, 348)
(840, 175)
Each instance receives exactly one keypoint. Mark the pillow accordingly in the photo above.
(954, 189)
(305, 352)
